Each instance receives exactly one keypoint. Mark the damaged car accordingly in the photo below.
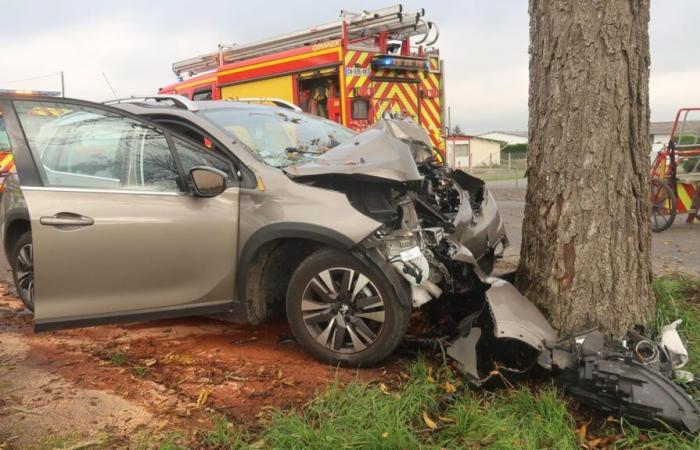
(162, 207)
(158, 207)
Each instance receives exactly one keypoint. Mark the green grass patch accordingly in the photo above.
(418, 412)
(678, 297)
(118, 358)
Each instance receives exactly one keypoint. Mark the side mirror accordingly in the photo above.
(208, 181)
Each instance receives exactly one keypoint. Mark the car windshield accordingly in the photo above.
(279, 137)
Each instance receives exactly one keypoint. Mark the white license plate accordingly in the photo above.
(411, 253)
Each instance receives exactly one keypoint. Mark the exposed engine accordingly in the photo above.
(439, 236)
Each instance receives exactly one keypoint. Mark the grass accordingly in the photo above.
(118, 358)
(418, 412)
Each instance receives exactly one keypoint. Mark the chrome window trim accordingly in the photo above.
(101, 191)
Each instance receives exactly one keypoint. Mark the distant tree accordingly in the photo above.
(456, 129)
(586, 246)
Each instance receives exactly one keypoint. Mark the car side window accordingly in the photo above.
(4, 139)
(192, 155)
(83, 147)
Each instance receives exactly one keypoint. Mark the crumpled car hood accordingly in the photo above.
(373, 153)
(411, 133)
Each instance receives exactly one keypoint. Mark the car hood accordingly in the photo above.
(412, 134)
(374, 153)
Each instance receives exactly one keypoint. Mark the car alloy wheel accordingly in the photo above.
(343, 310)
(25, 273)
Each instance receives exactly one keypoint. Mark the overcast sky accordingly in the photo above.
(484, 45)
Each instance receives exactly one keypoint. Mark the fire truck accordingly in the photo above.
(354, 71)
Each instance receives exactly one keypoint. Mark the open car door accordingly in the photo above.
(118, 231)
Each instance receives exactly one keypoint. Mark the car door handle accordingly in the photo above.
(66, 220)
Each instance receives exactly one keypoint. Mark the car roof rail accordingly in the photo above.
(275, 101)
(179, 101)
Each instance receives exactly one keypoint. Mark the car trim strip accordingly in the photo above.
(101, 191)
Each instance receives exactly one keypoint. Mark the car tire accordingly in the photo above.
(22, 261)
(358, 321)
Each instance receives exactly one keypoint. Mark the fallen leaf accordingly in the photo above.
(384, 389)
(149, 362)
(594, 442)
(385, 434)
(582, 433)
(449, 387)
(203, 396)
(428, 421)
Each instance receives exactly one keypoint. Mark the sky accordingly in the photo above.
(484, 45)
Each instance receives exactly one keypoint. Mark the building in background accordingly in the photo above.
(660, 133)
(468, 152)
(507, 137)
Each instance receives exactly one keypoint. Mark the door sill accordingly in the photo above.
(139, 316)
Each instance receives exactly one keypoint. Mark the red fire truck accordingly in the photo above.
(353, 71)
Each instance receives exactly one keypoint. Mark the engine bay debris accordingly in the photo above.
(633, 377)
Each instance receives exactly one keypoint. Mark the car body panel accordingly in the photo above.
(144, 251)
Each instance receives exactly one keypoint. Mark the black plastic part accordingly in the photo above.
(629, 389)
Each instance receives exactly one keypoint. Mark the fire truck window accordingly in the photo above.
(360, 109)
(314, 94)
(202, 95)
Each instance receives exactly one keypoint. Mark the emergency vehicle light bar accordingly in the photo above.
(178, 101)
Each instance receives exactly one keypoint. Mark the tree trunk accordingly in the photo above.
(585, 256)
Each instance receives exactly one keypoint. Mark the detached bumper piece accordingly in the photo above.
(631, 378)
(505, 338)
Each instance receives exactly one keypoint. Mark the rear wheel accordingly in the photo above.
(344, 311)
(663, 206)
(23, 269)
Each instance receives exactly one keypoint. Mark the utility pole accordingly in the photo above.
(63, 86)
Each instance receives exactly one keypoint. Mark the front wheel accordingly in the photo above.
(22, 261)
(663, 206)
(344, 311)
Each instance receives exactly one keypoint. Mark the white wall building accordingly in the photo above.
(468, 152)
(660, 133)
(509, 137)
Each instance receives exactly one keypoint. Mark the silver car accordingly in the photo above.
(161, 207)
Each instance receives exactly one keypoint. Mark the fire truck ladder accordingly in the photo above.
(354, 27)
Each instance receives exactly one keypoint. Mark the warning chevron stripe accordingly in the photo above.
(7, 161)
(430, 108)
(685, 193)
(358, 59)
(409, 97)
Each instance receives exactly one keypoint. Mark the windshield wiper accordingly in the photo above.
(306, 152)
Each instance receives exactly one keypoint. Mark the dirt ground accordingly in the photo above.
(112, 386)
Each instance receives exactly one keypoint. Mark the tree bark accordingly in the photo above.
(585, 255)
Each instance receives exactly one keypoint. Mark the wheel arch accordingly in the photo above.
(266, 246)
(17, 222)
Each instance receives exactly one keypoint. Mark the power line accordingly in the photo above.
(31, 79)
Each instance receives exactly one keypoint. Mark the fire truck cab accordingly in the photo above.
(354, 71)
